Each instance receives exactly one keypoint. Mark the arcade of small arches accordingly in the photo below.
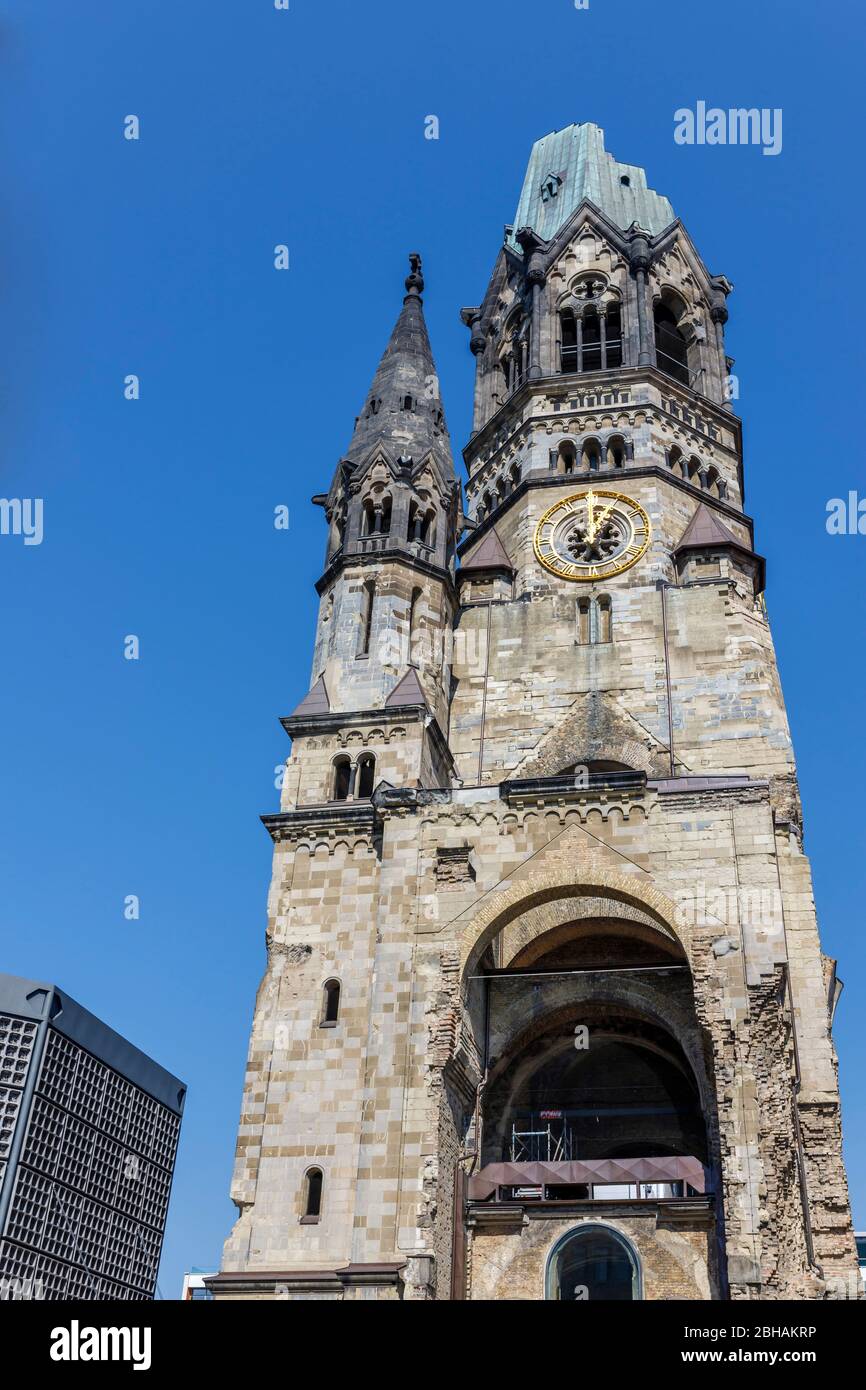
(494, 495)
(592, 454)
(376, 518)
(353, 779)
(693, 471)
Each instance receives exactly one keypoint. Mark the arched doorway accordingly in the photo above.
(593, 1263)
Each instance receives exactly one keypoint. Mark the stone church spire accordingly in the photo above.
(403, 413)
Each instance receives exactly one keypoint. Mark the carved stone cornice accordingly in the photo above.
(323, 821)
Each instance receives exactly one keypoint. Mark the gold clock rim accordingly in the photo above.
(576, 497)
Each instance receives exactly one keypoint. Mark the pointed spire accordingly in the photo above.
(403, 410)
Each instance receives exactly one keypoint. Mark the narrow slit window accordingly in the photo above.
(313, 1184)
(331, 1001)
(367, 618)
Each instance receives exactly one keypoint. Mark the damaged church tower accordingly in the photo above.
(545, 1012)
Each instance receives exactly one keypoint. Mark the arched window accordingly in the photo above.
(342, 779)
(675, 457)
(613, 337)
(366, 775)
(591, 455)
(616, 451)
(672, 353)
(710, 480)
(594, 1262)
(566, 457)
(385, 516)
(694, 471)
(330, 1003)
(605, 625)
(568, 341)
(408, 403)
(368, 598)
(591, 354)
(584, 614)
(313, 1183)
(413, 624)
(514, 476)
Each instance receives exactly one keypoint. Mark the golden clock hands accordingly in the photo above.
(604, 516)
(590, 515)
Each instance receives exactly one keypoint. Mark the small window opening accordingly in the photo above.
(366, 775)
(331, 1001)
(342, 779)
(313, 1194)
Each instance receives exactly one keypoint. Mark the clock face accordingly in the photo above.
(592, 535)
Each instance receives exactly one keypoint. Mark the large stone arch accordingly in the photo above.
(538, 896)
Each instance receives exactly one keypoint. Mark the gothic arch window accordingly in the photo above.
(330, 1003)
(591, 340)
(314, 1180)
(591, 345)
(341, 779)
(594, 1261)
(368, 599)
(374, 405)
(672, 351)
(514, 476)
(591, 455)
(613, 337)
(568, 341)
(693, 471)
(366, 775)
(376, 519)
(675, 455)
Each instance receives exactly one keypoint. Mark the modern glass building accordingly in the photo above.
(89, 1127)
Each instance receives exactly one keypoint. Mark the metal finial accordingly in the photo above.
(414, 280)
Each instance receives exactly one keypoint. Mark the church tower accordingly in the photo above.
(545, 1013)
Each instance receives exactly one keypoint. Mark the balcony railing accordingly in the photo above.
(594, 1180)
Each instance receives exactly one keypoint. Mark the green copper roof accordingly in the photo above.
(570, 165)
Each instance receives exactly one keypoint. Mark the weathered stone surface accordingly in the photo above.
(622, 812)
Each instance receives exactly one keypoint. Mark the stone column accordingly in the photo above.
(640, 261)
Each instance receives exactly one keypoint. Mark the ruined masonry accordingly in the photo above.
(545, 1012)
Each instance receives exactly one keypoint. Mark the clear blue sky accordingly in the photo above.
(156, 257)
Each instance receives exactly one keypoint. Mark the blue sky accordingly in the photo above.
(155, 257)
